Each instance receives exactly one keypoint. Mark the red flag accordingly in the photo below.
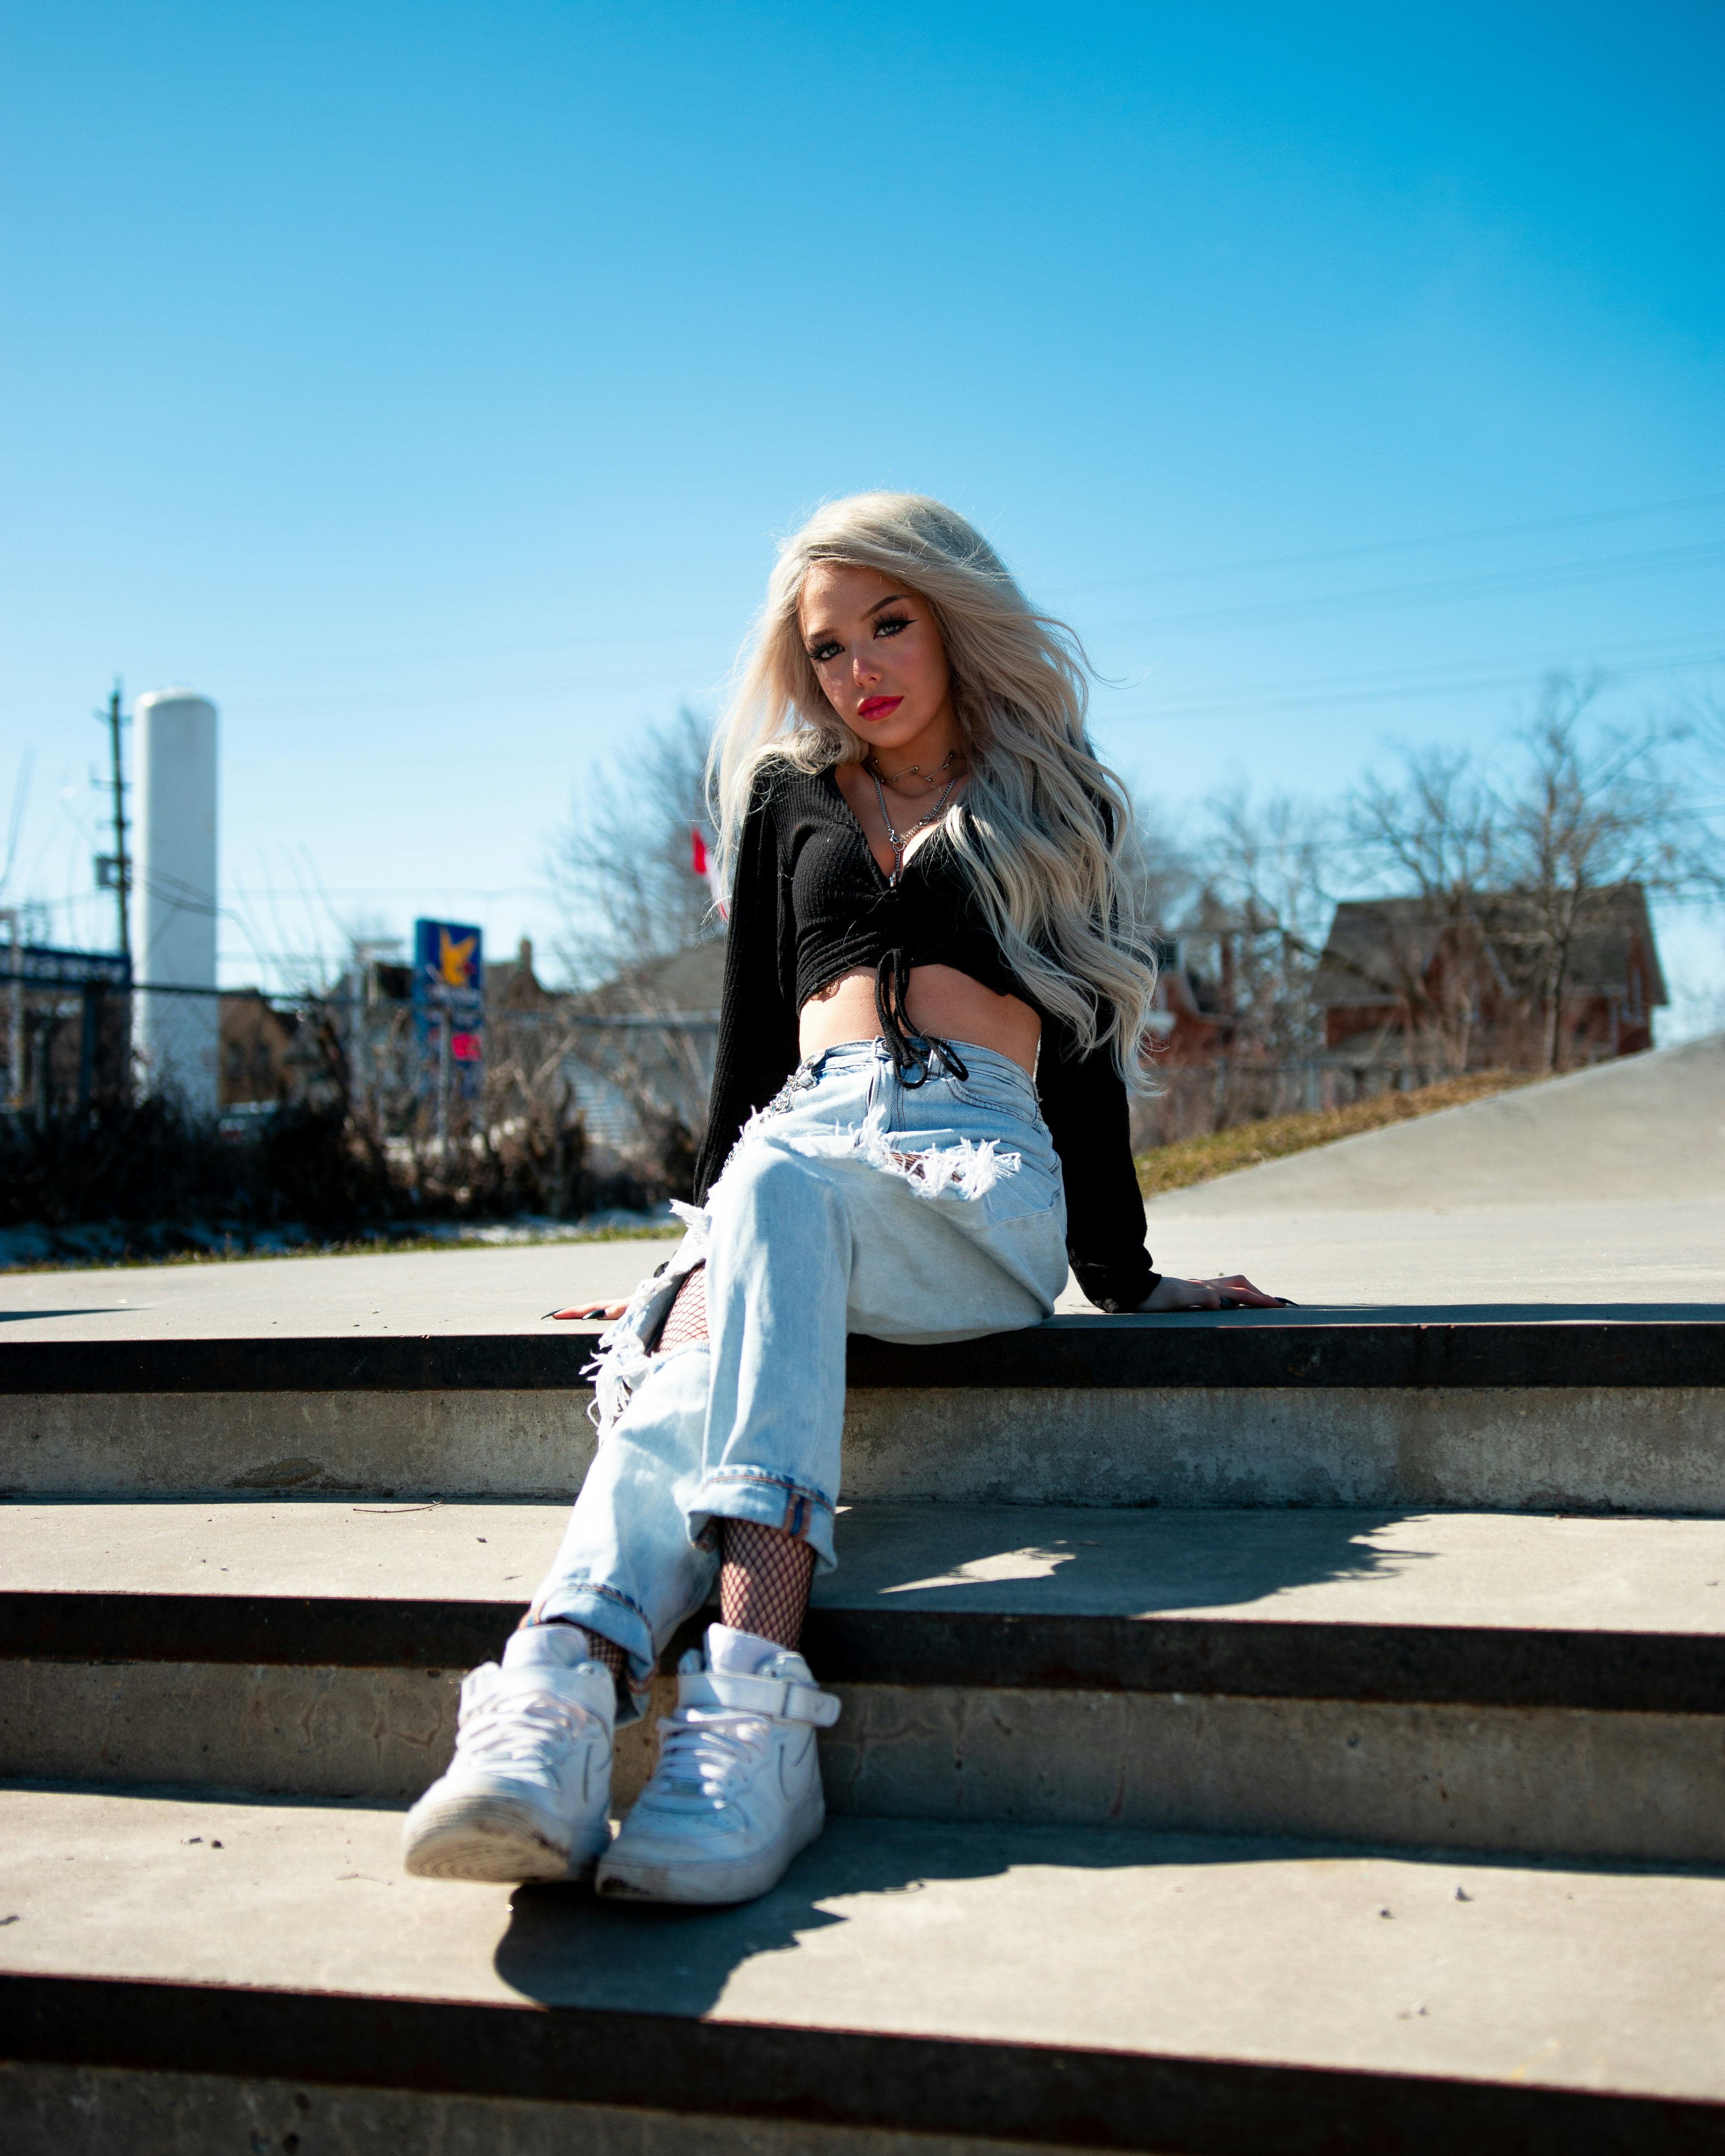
(705, 863)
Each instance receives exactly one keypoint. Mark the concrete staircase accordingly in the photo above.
(1261, 1732)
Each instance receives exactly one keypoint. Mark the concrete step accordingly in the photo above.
(1472, 1410)
(1489, 1681)
(197, 1975)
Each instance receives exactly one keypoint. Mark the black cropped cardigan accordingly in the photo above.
(810, 902)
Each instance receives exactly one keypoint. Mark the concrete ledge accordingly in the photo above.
(1317, 1348)
(52, 2110)
(1480, 1665)
(1535, 1780)
(761, 2091)
(1043, 1985)
(1637, 1449)
(484, 1443)
(1625, 1449)
(1587, 1743)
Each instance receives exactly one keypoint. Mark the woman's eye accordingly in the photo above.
(890, 624)
(821, 653)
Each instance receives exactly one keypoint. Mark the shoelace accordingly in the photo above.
(525, 1728)
(710, 1754)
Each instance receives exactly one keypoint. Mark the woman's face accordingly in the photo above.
(879, 655)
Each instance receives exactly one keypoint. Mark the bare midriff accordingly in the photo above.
(943, 1002)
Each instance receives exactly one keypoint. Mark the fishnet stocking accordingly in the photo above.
(599, 1649)
(687, 1321)
(609, 1653)
(764, 1579)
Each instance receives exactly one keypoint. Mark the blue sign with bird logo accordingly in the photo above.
(449, 1001)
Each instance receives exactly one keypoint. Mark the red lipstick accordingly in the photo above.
(877, 707)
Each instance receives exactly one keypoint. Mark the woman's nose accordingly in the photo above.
(862, 666)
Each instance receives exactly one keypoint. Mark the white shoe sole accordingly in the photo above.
(487, 1838)
(698, 1882)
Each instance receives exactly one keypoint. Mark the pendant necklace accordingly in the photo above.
(893, 838)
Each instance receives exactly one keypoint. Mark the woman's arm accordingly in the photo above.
(757, 1017)
(1084, 1103)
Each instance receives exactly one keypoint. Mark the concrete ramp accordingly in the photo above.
(1651, 1129)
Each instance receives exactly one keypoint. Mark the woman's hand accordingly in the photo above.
(1234, 1293)
(610, 1312)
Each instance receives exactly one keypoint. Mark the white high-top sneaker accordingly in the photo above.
(528, 1793)
(736, 1792)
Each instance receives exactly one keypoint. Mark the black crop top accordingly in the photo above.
(810, 902)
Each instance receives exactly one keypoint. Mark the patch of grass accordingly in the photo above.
(1188, 1161)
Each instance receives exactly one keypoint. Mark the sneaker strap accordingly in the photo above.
(588, 1686)
(783, 1700)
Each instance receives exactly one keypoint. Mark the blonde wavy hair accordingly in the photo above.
(1043, 828)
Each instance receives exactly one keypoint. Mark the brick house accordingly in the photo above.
(1458, 985)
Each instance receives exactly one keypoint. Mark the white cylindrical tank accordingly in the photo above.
(174, 911)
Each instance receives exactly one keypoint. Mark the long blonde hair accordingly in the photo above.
(1043, 828)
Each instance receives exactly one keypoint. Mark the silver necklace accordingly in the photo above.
(916, 771)
(893, 838)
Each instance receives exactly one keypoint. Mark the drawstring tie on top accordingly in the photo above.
(914, 1054)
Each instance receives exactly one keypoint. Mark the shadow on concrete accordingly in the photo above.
(565, 1947)
(18, 1317)
(1081, 1561)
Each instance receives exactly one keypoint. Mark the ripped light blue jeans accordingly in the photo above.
(855, 1203)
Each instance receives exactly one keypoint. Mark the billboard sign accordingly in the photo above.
(42, 966)
(449, 1004)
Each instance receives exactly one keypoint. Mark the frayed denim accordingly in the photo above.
(855, 1203)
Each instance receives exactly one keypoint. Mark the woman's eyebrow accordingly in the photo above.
(819, 634)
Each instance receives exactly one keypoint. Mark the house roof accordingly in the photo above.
(691, 980)
(1376, 944)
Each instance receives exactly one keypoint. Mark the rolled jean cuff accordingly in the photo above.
(770, 1499)
(613, 1617)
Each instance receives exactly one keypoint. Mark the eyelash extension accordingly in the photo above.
(891, 623)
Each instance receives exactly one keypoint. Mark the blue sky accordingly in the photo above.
(428, 384)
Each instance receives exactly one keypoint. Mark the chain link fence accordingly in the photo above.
(242, 1112)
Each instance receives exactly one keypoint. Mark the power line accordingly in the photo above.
(1398, 546)
(664, 631)
(422, 890)
(1552, 576)
(1456, 677)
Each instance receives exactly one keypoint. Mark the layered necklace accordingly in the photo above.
(898, 840)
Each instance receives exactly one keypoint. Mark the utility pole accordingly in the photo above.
(115, 869)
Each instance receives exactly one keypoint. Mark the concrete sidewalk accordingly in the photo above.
(1649, 1130)
(1603, 1189)
(1654, 1255)
(1605, 1186)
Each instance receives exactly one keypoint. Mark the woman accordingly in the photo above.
(934, 994)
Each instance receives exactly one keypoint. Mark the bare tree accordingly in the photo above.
(1257, 917)
(633, 905)
(621, 867)
(1493, 883)
(1436, 836)
(1161, 871)
(1587, 816)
